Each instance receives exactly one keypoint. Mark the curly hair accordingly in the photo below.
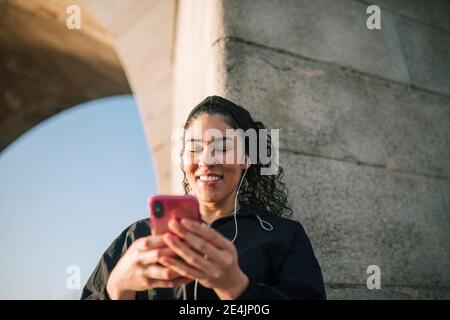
(267, 191)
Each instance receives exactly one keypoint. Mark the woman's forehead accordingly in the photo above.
(210, 121)
(210, 135)
(207, 126)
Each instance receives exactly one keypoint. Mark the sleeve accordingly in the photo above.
(299, 277)
(95, 288)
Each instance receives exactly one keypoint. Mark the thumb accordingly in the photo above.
(151, 242)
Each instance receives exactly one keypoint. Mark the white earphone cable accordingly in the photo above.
(235, 206)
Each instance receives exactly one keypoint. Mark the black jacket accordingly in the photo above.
(279, 263)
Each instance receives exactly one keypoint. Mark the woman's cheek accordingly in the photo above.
(190, 176)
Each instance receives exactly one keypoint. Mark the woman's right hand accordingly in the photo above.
(138, 270)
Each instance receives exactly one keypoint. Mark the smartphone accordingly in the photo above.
(165, 208)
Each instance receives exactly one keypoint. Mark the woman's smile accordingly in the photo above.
(209, 180)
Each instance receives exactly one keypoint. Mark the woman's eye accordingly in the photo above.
(193, 148)
(221, 149)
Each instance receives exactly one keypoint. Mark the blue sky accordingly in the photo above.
(68, 187)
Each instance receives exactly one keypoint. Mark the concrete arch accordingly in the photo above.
(48, 68)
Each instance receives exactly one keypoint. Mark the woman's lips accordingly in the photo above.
(209, 181)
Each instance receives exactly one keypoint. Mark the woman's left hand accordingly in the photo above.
(207, 256)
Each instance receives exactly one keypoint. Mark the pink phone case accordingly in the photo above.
(164, 208)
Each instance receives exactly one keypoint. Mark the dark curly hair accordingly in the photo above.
(267, 191)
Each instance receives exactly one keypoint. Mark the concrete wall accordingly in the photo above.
(365, 131)
(365, 125)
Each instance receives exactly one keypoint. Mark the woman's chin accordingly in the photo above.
(210, 191)
(209, 195)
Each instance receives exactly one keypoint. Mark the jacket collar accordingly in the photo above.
(248, 210)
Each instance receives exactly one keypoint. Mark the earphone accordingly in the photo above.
(247, 162)
(247, 166)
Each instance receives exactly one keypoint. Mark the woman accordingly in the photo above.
(248, 250)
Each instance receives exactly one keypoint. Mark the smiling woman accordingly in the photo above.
(247, 250)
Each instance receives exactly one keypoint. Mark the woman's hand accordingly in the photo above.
(208, 256)
(138, 269)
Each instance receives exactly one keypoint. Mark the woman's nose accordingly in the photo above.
(207, 157)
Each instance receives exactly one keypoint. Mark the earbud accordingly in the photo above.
(247, 162)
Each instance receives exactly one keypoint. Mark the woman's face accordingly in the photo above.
(210, 178)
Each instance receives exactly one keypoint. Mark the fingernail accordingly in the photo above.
(167, 260)
(173, 223)
(187, 222)
(172, 238)
(163, 260)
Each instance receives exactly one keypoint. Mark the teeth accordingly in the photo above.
(209, 178)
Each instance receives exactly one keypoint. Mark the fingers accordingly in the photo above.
(201, 245)
(152, 256)
(181, 268)
(190, 256)
(206, 233)
(170, 283)
(150, 242)
(160, 273)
